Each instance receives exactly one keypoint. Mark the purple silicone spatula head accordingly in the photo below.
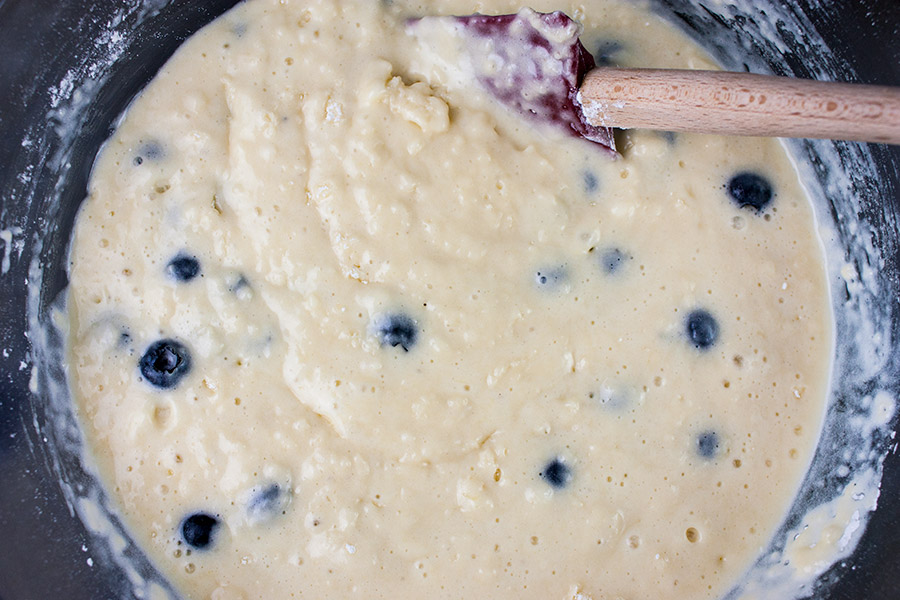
(531, 62)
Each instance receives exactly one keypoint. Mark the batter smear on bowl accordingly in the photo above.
(342, 324)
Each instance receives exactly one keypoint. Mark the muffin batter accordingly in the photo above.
(340, 324)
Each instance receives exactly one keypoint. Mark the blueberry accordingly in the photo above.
(611, 398)
(606, 51)
(165, 363)
(183, 267)
(556, 473)
(750, 190)
(591, 183)
(238, 284)
(267, 502)
(701, 328)
(396, 329)
(150, 150)
(612, 260)
(199, 530)
(708, 444)
(550, 278)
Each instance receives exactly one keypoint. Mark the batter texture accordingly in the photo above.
(342, 326)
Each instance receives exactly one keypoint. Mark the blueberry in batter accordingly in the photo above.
(397, 329)
(165, 363)
(613, 260)
(707, 444)
(152, 150)
(198, 530)
(750, 190)
(591, 182)
(556, 473)
(238, 283)
(267, 502)
(124, 339)
(702, 329)
(607, 51)
(610, 398)
(550, 278)
(183, 267)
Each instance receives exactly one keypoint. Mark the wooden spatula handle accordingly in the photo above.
(740, 104)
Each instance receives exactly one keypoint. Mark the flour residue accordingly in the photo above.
(12, 242)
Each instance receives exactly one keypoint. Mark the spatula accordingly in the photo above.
(534, 63)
